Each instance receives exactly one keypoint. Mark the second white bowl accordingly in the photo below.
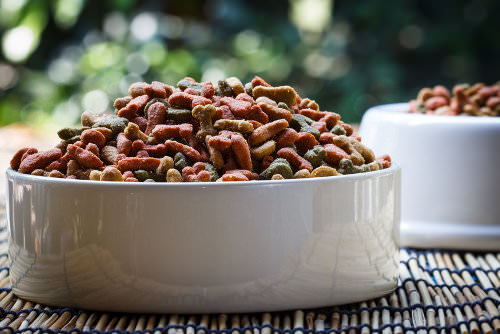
(450, 175)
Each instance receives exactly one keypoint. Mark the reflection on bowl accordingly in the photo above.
(239, 247)
(450, 175)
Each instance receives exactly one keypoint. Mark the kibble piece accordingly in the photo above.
(112, 122)
(316, 155)
(95, 175)
(166, 163)
(285, 94)
(173, 175)
(302, 174)
(324, 171)
(278, 166)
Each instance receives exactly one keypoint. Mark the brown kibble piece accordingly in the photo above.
(275, 113)
(84, 158)
(284, 94)
(93, 136)
(16, 159)
(135, 105)
(239, 125)
(155, 90)
(121, 102)
(157, 113)
(38, 160)
(88, 118)
(138, 163)
(294, 159)
(188, 151)
(267, 131)
(137, 89)
(241, 151)
(216, 157)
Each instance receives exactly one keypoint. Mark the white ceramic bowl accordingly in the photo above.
(450, 175)
(192, 248)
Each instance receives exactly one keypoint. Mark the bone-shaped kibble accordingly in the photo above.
(133, 132)
(204, 115)
(239, 125)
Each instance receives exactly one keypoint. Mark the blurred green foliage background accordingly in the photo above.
(59, 58)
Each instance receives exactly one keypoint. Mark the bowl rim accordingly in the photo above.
(400, 109)
(36, 179)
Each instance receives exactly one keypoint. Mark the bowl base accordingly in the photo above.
(450, 235)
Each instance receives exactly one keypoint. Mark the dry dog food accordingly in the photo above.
(198, 132)
(465, 99)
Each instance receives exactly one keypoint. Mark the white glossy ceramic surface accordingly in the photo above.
(450, 175)
(195, 248)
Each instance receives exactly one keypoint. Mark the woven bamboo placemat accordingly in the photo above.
(439, 292)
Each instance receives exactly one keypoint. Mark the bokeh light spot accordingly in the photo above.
(115, 26)
(18, 43)
(137, 63)
(61, 70)
(95, 101)
(144, 26)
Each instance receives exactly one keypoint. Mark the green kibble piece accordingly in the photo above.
(315, 155)
(347, 167)
(213, 172)
(180, 161)
(338, 130)
(248, 88)
(224, 89)
(73, 140)
(278, 166)
(156, 99)
(179, 115)
(112, 122)
(183, 84)
(68, 133)
(303, 123)
(144, 176)
(141, 175)
(283, 105)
